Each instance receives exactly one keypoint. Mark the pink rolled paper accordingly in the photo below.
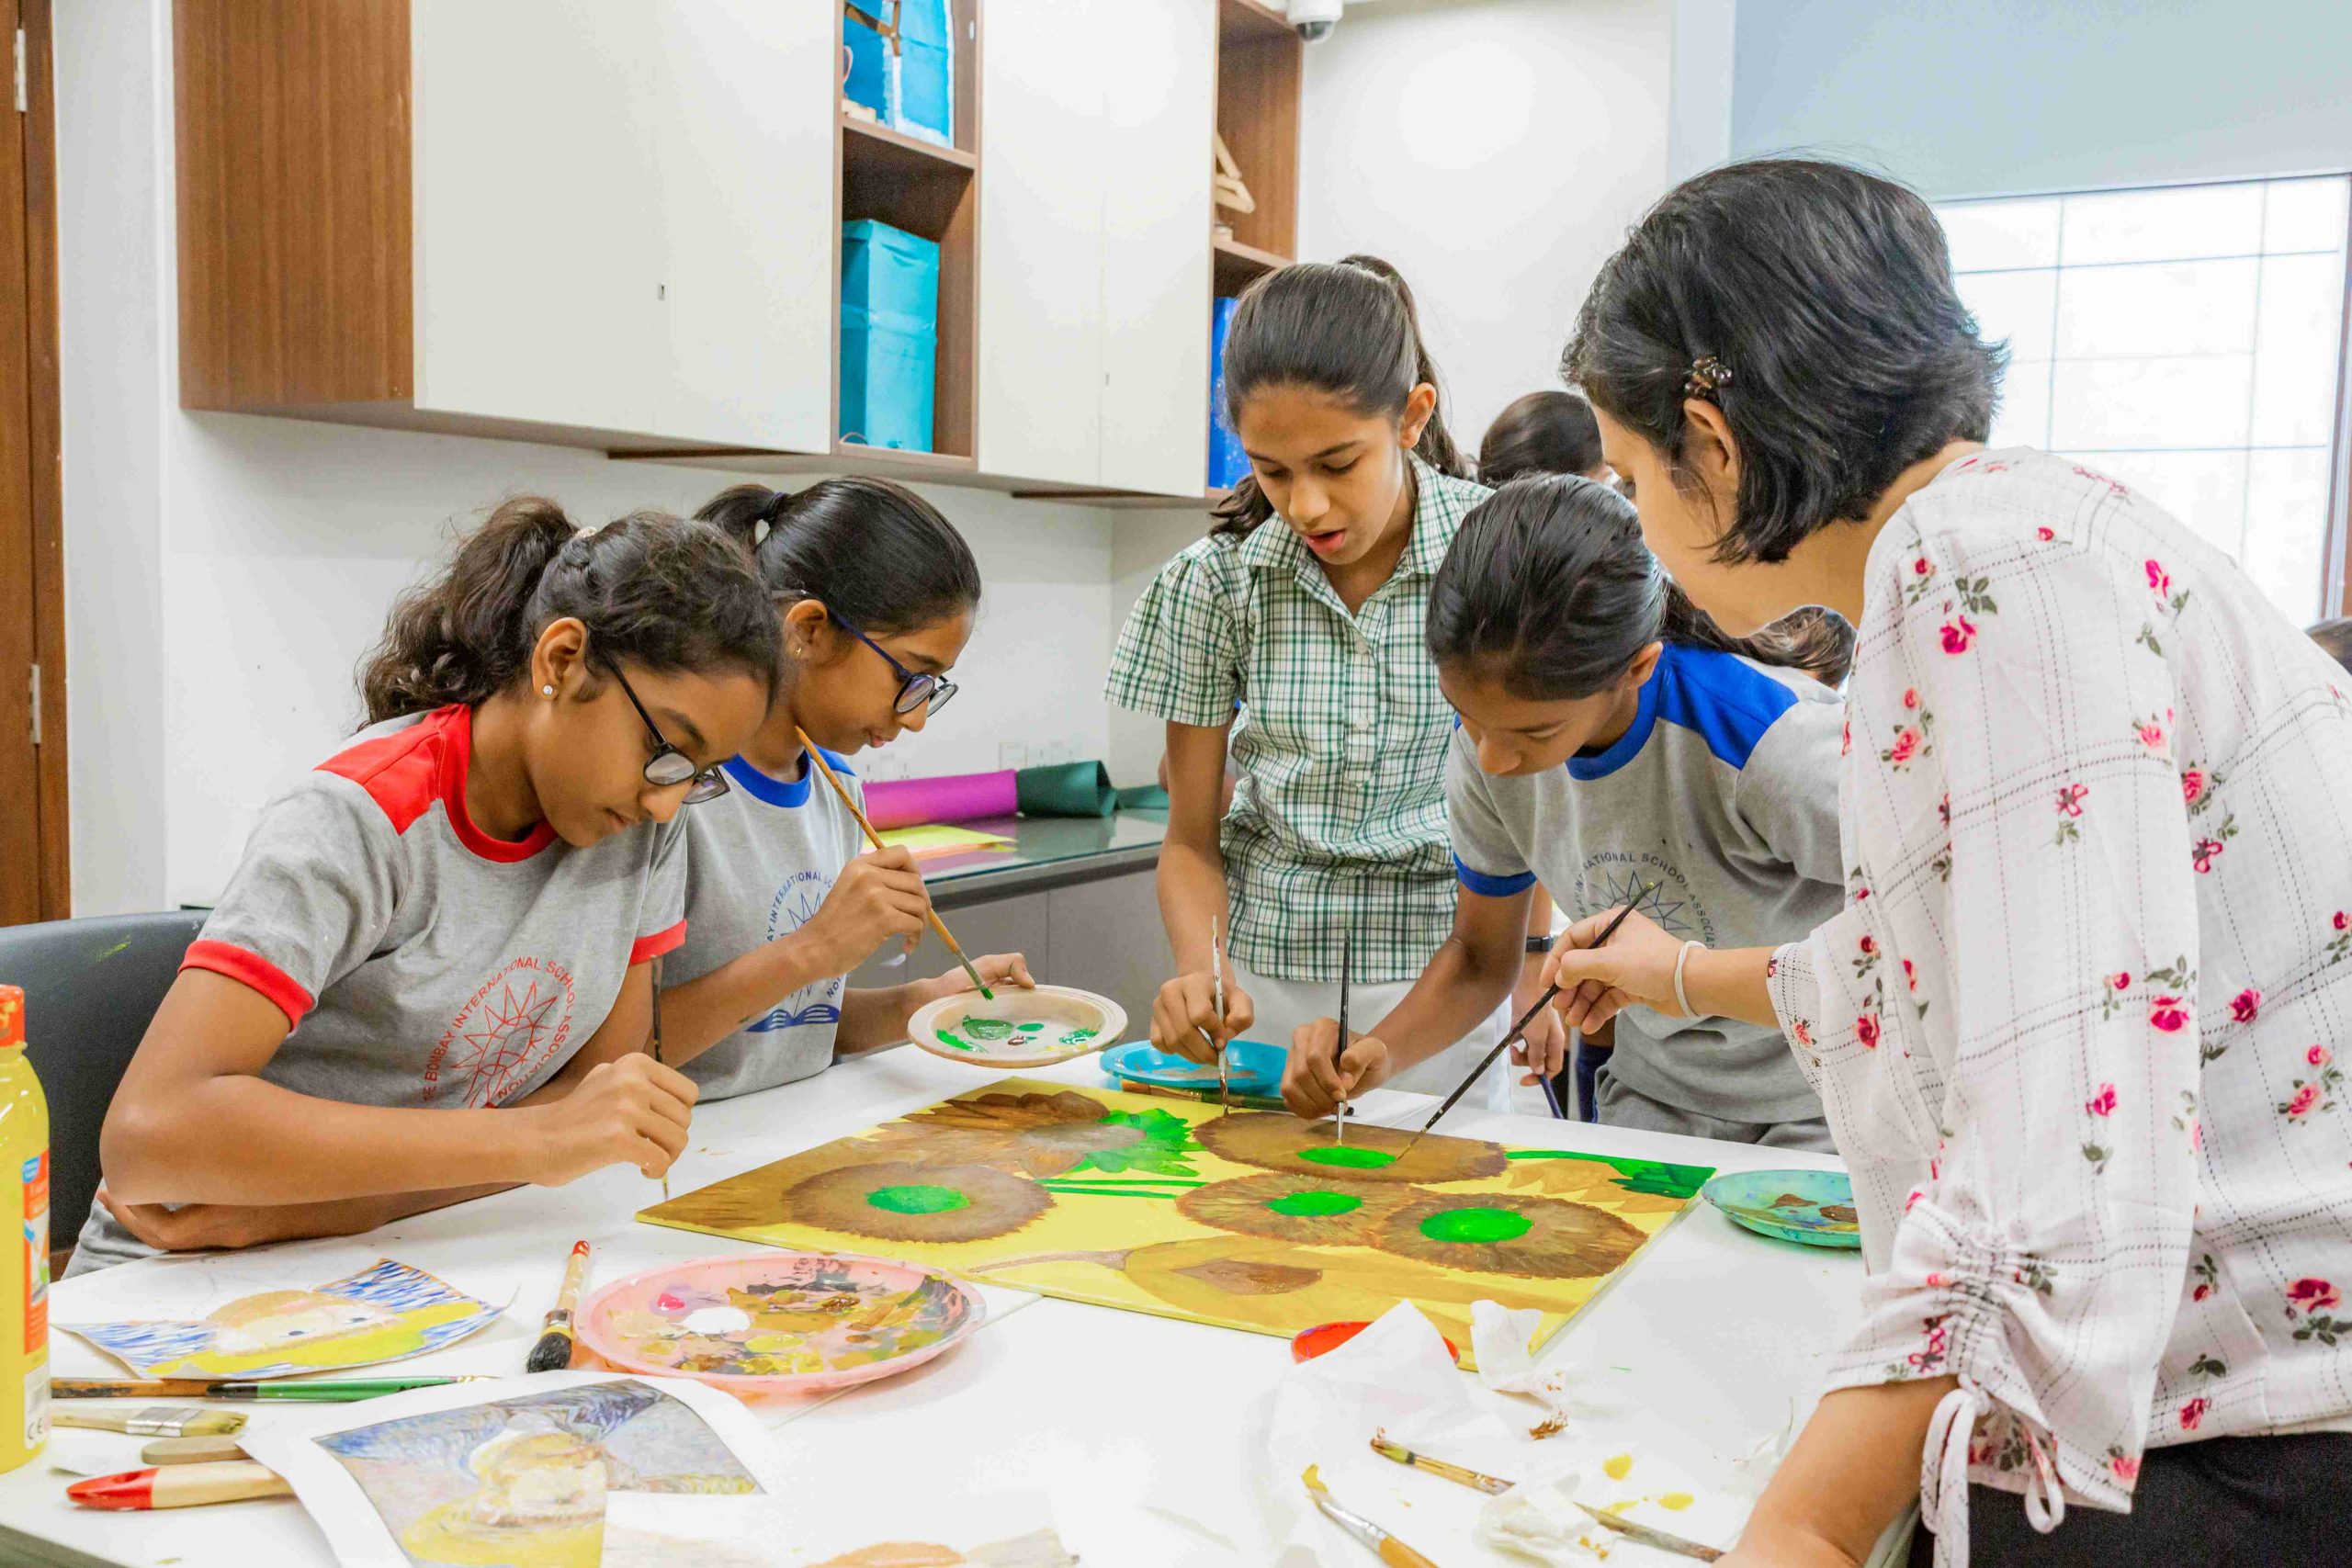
(959, 797)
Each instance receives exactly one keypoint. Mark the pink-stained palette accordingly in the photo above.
(781, 1323)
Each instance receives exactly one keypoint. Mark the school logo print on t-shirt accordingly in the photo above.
(795, 904)
(506, 1031)
(1613, 877)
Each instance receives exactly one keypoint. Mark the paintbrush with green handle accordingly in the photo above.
(339, 1392)
(937, 925)
(1519, 1030)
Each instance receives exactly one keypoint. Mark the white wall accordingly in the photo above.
(1495, 150)
(224, 572)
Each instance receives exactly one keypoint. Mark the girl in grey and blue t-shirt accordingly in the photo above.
(874, 590)
(427, 977)
(1612, 740)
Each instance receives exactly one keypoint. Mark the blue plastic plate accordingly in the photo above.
(1814, 1207)
(1255, 1067)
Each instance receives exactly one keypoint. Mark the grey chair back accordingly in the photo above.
(90, 988)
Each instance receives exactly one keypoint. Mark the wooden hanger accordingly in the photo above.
(1225, 184)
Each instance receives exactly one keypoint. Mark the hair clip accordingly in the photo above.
(1708, 374)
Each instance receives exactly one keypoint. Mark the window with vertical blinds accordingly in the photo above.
(2187, 340)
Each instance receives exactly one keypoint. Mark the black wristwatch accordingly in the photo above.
(1539, 944)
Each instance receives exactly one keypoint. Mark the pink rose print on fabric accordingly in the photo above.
(2301, 1105)
(2200, 1292)
(2193, 785)
(1910, 696)
(2168, 1014)
(1916, 1193)
(1906, 747)
(2246, 1004)
(2339, 920)
(2204, 854)
(2151, 732)
(2318, 1056)
(2159, 580)
(2045, 534)
(2103, 1103)
(1846, 740)
(2311, 1295)
(2193, 1412)
(1869, 942)
(1910, 977)
(2070, 798)
(1959, 634)
(2120, 979)
(2124, 1467)
(1922, 567)
(1803, 1032)
(1866, 1030)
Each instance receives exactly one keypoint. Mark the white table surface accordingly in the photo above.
(1723, 1328)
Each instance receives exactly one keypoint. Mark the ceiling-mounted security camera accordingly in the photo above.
(1312, 19)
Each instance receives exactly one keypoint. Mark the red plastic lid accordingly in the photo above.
(12, 1016)
(1324, 1337)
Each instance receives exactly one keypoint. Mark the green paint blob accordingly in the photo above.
(985, 1028)
(1030, 1028)
(1299, 1203)
(1354, 1160)
(917, 1200)
(947, 1039)
(1079, 1037)
(1468, 1226)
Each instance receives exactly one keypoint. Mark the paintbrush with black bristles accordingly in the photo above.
(553, 1352)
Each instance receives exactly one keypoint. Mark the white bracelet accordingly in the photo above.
(1682, 997)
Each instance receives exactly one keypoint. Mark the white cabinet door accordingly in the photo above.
(746, 93)
(623, 215)
(1160, 62)
(536, 243)
(1042, 170)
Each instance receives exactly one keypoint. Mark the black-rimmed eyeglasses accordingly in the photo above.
(916, 689)
(668, 767)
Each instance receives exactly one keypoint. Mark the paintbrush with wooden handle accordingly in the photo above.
(1519, 1030)
(937, 925)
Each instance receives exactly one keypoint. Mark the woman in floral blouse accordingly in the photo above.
(2076, 1029)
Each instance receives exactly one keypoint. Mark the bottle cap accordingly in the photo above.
(12, 1016)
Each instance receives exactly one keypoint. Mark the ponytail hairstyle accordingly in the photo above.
(1347, 328)
(1542, 433)
(877, 555)
(653, 591)
(1814, 304)
(1549, 589)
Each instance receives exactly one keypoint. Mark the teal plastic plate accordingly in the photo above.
(1812, 1207)
(1255, 1068)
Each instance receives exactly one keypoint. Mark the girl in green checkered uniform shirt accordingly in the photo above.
(1302, 611)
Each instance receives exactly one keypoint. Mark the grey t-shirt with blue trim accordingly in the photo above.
(1724, 792)
(760, 861)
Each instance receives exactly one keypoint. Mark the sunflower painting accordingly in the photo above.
(1254, 1221)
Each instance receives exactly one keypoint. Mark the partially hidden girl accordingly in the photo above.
(1615, 744)
(875, 593)
(426, 978)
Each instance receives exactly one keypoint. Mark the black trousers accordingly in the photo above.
(2276, 1502)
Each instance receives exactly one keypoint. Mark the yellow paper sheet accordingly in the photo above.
(1255, 1221)
(936, 840)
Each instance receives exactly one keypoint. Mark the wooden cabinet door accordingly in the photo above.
(1160, 59)
(1042, 171)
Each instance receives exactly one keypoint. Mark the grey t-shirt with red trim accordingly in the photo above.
(420, 962)
(760, 860)
(1724, 793)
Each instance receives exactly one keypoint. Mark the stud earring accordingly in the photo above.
(546, 691)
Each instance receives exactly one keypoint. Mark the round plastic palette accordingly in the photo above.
(1255, 1067)
(779, 1322)
(1020, 1029)
(1814, 1207)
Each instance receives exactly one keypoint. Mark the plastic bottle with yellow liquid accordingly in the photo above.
(24, 1244)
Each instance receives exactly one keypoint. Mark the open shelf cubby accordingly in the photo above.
(933, 192)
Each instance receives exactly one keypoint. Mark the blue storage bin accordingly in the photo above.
(1227, 462)
(890, 335)
(869, 67)
(924, 104)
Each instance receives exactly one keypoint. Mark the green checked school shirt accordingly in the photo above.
(1338, 824)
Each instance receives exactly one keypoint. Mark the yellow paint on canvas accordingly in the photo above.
(401, 1334)
(1256, 1222)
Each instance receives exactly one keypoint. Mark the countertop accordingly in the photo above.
(1046, 850)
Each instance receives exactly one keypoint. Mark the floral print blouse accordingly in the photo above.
(2078, 1027)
